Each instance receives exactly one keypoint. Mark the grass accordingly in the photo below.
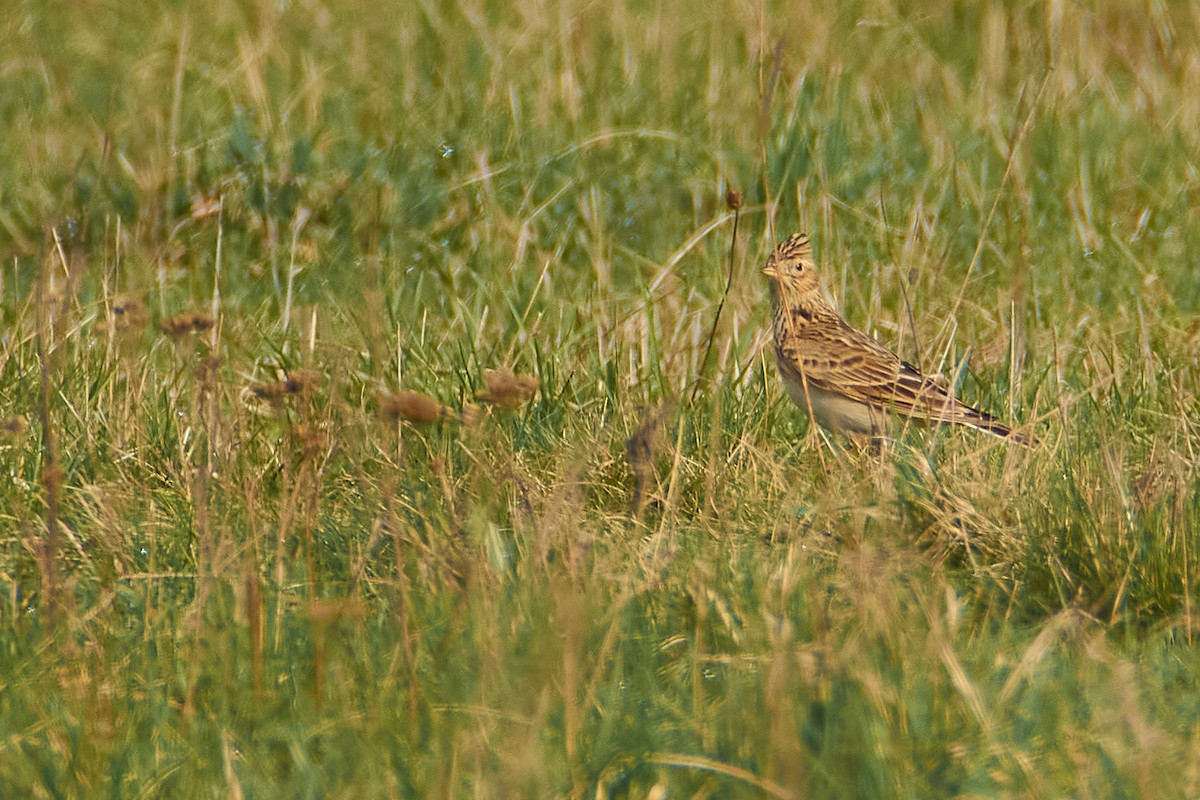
(234, 565)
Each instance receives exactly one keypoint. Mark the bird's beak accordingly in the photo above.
(770, 272)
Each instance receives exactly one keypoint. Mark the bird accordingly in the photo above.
(846, 380)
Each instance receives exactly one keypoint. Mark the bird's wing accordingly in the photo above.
(837, 358)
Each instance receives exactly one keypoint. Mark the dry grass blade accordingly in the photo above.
(770, 788)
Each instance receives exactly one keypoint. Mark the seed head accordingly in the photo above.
(127, 315)
(503, 388)
(413, 407)
(185, 323)
(13, 426)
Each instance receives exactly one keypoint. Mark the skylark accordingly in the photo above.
(843, 378)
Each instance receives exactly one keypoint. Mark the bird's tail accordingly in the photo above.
(981, 420)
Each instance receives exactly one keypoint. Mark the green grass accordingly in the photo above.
(207, 594)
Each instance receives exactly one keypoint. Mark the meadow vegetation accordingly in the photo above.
(361, 434)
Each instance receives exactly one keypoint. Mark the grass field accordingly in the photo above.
(234, 564)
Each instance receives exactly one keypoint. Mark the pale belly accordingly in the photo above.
(837, 412)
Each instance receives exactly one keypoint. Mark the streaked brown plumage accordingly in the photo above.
(845, 379)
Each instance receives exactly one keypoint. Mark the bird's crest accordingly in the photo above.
(796, 247)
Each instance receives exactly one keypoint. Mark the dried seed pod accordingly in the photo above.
(185, 323)
(271, 390)
(13, 426)
(302, 381)
(413, 407)
(206, 370)
(126, 315)
(311, 439)
(205, 206)
(503, 388)
(297, 382)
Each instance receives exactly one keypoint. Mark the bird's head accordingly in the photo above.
(791, 265)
